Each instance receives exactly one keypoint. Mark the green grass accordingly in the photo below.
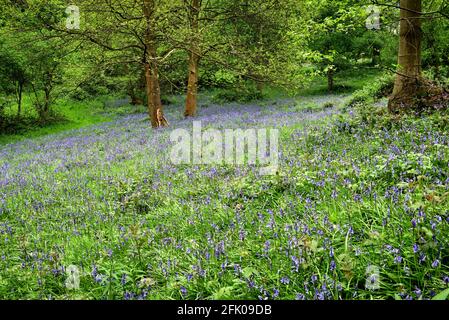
(75, 115)
(346, 81)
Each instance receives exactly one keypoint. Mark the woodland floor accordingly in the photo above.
(349, 194)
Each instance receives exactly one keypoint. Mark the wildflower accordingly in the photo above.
(237, 268)
(296, 263)
(143, 295)
(398, 259)
(446, 279)
(123, 280)
(285, 280)
(334, 194)
(300, 296)
(128, 295)
(183, 291)
(319, 295)
(339, 287)
(417, 291)
(421, 214)
(332, 265)
(267, 246)
(436, 263)
(422, 258)
(415, 248)
(275, 293)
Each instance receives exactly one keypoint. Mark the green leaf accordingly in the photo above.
(248, 272)
(442, 295)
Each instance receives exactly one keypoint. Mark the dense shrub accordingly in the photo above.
(381, 87)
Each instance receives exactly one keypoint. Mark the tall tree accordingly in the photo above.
(411, 90)
(130, 32)
(408, 79)
(194, 7)
(151, 67)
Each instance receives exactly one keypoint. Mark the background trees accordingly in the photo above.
(411, 91)
(151, 48)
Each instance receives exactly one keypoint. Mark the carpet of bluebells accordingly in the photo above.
(356, 191)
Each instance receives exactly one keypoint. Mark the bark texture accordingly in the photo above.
(194, 58)
(153, 91)
(408, 81)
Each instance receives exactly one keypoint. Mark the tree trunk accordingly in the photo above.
(375, 59)
(19, 98)
(408, 81)
(192, 86)
(330, 79)
(153, 91)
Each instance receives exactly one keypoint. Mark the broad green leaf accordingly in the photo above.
(442, 295)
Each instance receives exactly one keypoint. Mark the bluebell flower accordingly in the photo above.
(436, 263)
(123, 280)
(446, 279)
(319, 295)
(300, 296)
(128, 295)
(332, 265)
(417, 291)
(398, 259)
(422, 258)
(267, 246)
